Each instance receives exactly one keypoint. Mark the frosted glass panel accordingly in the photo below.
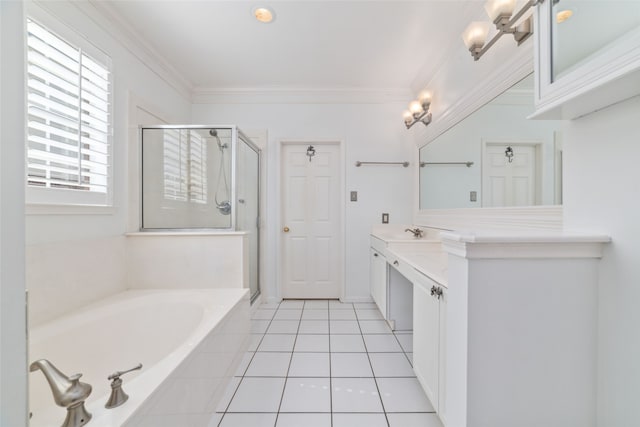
(186, 178)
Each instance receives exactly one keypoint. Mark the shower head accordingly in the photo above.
(214, 133)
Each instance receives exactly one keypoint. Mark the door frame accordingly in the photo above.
(280, 211)
(537, 145)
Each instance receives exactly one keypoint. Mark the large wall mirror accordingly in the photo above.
(495, 157)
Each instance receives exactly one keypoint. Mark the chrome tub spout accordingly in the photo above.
(68, 392)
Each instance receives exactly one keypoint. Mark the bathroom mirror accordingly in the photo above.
(495, 157)
(577, 33)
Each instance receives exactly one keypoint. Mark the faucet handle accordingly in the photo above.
(117, 374)
(118, 396)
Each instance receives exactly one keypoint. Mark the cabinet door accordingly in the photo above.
(378, 280)
(442, 357)
(426, 339)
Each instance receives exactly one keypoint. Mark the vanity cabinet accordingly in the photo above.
(521, 329)
(378, 279)
(429, 344)
(578, 69)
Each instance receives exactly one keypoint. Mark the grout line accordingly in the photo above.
(286, 380)
(226, 409)
(403, 350)
(374, 374)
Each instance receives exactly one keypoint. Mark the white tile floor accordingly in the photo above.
(319, 363)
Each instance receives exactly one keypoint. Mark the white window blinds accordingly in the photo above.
(185, 166)
(68, 115)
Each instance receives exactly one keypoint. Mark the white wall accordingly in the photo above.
(602, 193)
(95, 237)
(177, 260)
(370, 132)
(13, 358)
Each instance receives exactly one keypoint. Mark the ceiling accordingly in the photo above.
(310, 44)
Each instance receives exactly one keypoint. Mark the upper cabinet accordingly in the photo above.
(587, 56)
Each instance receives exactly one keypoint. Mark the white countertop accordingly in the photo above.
(425, 254)
(429, 260)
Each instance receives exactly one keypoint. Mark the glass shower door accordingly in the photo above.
(248, 202)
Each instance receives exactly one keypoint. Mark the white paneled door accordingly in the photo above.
(311, 222)
(509, 183)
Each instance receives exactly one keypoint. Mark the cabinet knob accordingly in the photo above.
(375, 255)
(396, 263)
(286, 229)
(433, 290)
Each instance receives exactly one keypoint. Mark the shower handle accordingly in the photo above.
(285, 229)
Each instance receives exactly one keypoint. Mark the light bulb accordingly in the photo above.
(415, 108)
(263, 14)
(496, 8)
(476, 34)
(563, 15)
(425, 99)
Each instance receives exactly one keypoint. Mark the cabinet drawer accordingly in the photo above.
(403, 268)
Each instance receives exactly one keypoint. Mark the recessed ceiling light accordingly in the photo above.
(263, 14)
(563, 15)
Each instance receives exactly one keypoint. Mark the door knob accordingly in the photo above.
(286, 229)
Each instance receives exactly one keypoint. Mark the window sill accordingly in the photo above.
(59, 209)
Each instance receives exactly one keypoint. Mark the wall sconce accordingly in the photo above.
(501, 13)
(418, 111)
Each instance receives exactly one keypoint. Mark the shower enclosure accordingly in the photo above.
(202, 178)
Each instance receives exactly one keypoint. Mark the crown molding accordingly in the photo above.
(107, 18)
(300, 95)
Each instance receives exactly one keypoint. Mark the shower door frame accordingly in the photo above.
(235, 135)
(234, 138)
(252, 145)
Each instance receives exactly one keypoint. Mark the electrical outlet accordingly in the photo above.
(473, 196)
(385, 218)
(354, 196)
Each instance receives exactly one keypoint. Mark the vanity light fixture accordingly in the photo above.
(501, 13)
(418, 110)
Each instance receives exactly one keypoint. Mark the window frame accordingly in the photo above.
(44, 200)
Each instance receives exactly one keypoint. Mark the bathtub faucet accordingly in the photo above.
(118, 396)
(68, 392)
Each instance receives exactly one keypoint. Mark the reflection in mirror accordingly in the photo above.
(577, 31)
(495, 157)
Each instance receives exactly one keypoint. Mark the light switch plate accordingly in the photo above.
(385, 218)
(473, 196)
(354, 196)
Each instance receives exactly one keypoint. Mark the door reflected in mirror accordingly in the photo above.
(495, 157)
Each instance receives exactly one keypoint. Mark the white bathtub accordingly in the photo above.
(189, 342)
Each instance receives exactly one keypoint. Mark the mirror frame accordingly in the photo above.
(519, 66)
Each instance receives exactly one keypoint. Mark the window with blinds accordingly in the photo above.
(68, 116)
(185, 166)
